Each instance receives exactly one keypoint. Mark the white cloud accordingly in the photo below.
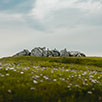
(91, 6)
(43, 8)
(5, 16)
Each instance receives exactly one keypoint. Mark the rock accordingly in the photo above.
(23, 53)
(55, 53)
(44, 51)
(39, 52)
(64, 53)
(76, 54)
(49, 53)
(36, 52)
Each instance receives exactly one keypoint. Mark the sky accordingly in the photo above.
(72, 24)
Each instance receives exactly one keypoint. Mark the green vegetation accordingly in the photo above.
(51, 79)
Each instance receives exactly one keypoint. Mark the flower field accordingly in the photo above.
(51, 79)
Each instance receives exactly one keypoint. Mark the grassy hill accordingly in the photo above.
(51, 79)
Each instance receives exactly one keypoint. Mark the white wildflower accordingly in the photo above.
(11, 68)
(45, 77)
(35, 82)
(85, 79)
(67, 70)
(2, 75)
(22, 72)
(54, 79)
(89, 92)
(7, 74)
(98, 77)
(77, 85)
(9, 91)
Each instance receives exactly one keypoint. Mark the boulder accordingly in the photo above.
(64, 53)
(44, 51)
(23, 53)
(36, 52)
(55, 53)
(76, 54)
(49, 53)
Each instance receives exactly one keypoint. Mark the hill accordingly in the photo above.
(51, 79)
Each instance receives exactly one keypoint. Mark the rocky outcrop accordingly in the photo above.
(43, 52)
(76, 54)
(36, 52)
(53, 53)
(64, 53)
(23, 53)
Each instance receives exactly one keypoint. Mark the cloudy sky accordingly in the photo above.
(72, 24)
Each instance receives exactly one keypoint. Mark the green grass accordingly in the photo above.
(51, 79)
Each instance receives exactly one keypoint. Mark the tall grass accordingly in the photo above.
(51, 79)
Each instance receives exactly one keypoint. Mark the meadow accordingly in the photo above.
(51, 79)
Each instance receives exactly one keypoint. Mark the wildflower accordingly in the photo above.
(98, 77)
(9, 91)
(2, 75)
(68, 86)
(86, 84)
(85, 73)
(32, 88)
(52, 71)
(77, 85)
(93, 88)
(41, 81)
(0, 67)
(35, 82)
(36, 77)
(7, 74)
(85, 79)
(92, 80)
(89, 92)
(79, 75)
(6, 69)
(62, 79)
(54, 79)
(45, 77)
(14, 70)
(11, 68)
(67, 78)
(40, 74)
(67, 70)
(22, 72)
(90, 76)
